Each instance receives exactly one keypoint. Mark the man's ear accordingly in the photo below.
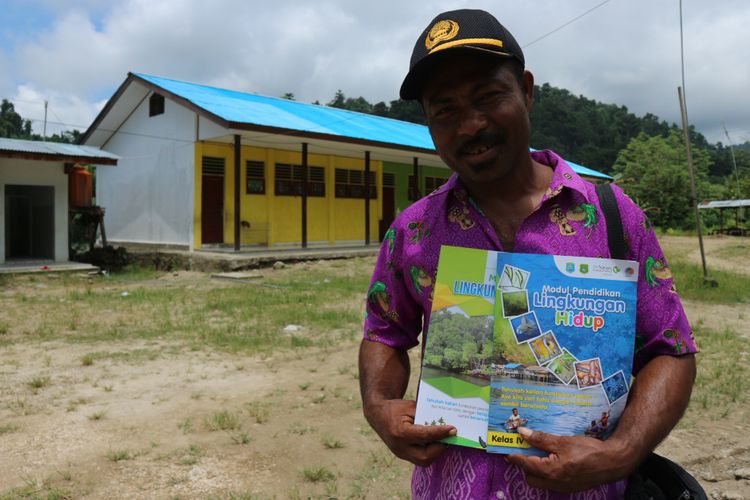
(528, 88)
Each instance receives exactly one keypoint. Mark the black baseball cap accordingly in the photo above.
(476, 31)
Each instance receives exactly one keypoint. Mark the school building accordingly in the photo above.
(202, 167)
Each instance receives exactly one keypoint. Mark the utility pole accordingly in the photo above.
(44, 130)
(734, 162)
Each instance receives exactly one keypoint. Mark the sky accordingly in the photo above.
(75, 53)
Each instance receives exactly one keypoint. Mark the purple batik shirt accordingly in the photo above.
(568, 221)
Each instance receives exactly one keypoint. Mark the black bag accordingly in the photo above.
(657, 478)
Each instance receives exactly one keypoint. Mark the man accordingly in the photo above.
(469, 75)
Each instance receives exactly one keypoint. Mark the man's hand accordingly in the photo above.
(657, 400)
(574, 463)
(393, 420)
(383, 377)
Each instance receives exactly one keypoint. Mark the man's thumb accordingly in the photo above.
(537, 439)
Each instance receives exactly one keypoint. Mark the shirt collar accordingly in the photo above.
(563, 177)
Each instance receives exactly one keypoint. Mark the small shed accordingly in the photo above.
(34, 197)
(738, 205)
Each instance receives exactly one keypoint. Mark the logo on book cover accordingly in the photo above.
(629, 271)
(570, 267)
(616, 269)
(584, 268)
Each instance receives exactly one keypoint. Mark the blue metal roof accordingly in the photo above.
(242, 107)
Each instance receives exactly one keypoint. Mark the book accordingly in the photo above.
(563, 341)
(454, 385)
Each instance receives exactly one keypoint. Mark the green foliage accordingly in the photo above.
(13, 126)
(458, 343)
(653, 171)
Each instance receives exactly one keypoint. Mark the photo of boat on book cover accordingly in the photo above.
(563, 347)
(454, 386)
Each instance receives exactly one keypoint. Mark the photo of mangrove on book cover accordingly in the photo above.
(459, 344)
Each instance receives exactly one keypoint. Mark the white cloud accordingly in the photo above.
(624, 52)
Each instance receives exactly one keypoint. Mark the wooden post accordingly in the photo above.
(416, 178)
(686, 131)
(237, 182)
(304, 195)
(367, 197)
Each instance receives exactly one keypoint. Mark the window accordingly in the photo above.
(432, 183)
(255, 180)
(389, 179)
(351, 184)
(155, 105)
(289, 180)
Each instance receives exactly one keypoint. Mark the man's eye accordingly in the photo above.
(442, 111)
(490, 96)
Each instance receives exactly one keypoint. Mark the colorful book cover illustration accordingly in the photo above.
(454, 386)
(564, 336)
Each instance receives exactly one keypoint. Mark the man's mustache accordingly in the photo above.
(485, 138)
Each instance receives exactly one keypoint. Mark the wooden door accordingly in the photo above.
(389, 203)
(212, 201)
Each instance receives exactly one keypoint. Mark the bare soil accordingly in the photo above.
(142, 424)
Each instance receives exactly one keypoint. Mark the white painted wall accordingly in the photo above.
(37, 173)
(148, 196)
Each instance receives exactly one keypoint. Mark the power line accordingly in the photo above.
(592, 9)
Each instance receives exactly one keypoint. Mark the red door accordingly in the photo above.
(212, 209)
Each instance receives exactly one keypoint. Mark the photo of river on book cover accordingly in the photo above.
(563, 347)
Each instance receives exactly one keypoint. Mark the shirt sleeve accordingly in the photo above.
(661, 325)
(392, 316)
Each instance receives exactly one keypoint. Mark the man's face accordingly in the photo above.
(478, 116)
(515, 412)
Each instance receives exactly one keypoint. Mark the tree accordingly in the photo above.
(654, 172)
(289, 96)
(12, 125)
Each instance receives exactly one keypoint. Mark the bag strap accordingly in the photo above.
(613, 219)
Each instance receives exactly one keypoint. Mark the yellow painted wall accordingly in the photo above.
(278, 219)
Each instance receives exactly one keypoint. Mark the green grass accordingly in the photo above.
(259, 411)
(318, 474)
(39, 382)
(186, 426)
(118, 455)
(223, 316)
(733, 288)
(192, 455)
(332, 443)
(97, 415)
(7, 428)
(223, 421)
(740, 249)
(301, 429)
(240, 437)
(723, 370)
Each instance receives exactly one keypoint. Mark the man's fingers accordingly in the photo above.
(429, 433)
(540, 440)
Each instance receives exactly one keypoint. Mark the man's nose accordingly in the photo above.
(471, 121)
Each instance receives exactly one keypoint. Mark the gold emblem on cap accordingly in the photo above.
(442, 31)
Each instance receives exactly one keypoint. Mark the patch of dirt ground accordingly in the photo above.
(159, 420)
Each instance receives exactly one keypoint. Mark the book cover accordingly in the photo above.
(454, 386)
(564, 335)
